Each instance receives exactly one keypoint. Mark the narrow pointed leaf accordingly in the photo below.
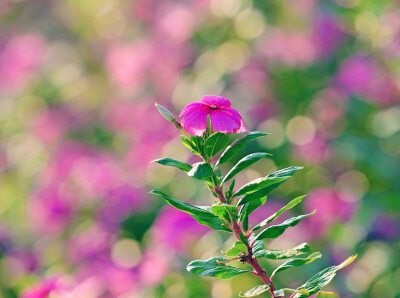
(266, 190)
(258, 246)
(327, 295)
(274, 216)
(189, 144)
(244, 163)
(201, 171)
(321, 279)
(257, 290)
(297, 262)
(284, 291)
(232, 150)
(237, 249)
(215, 143)
(210, 267)
(229, 191)
(174, 163)
(285, 172)
(223, 210)
(277, 230)
(201, 215)
(258, 184)
(248, 208)
(284, 254)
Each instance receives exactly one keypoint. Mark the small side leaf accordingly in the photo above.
(237, 249)
(258, 184)
(201, 171)
(327, 295)
(215, 143)
(231, 151)
(274, 216)
(229, 191)
(210, 267)
(185, 141)
(174, 163)
(248, 208)
(284, 173)
(284, 254)
(297, 262)
(282, 292)
(201, 215)
(277, 230)
(321, 279)
(223, 210)
(257, 290)
(244, 163)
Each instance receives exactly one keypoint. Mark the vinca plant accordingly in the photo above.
(209, 127)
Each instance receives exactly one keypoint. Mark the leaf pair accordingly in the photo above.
(213, 267)
(200, 214)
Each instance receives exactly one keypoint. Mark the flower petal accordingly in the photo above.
(225, 120)
(191, 107)
(219, 101)
(195, 122)
(242, 128)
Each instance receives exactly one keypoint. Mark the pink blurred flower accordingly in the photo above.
(95, 242)
(176, 21)
(364, 77)
(128, 64)
(153, 268)
(21, 57)
(327, 35)
(41, 290)
(51, 210)
(295, 49)
(316, 151)
(182, 230)
(331, 208)
(329, 108)
(223, 118)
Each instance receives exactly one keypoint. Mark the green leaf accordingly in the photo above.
(210, 267)
(215, 143)
(257, 290)
(231, 151)
(285, 172)
(237, 249)
(277, 230)
(297, 262)
(284, 254)
(244, 163)
(248, 208)
(258, 246)
(258, 184)
(200, 214)
(282, 292)
(274, 216)
(201, 171)
(327, 295)
(229, 191)
(265, 191)
(189, 144)
(223, 210)
(174, 163)
(321, 279)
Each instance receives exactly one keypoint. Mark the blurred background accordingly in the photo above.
(78, 128)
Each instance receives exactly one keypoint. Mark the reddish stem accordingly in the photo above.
(251, 259)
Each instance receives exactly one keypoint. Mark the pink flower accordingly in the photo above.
(223, 118)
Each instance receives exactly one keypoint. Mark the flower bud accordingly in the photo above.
(166, 114)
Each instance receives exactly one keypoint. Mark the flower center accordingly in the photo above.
(213, 107)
